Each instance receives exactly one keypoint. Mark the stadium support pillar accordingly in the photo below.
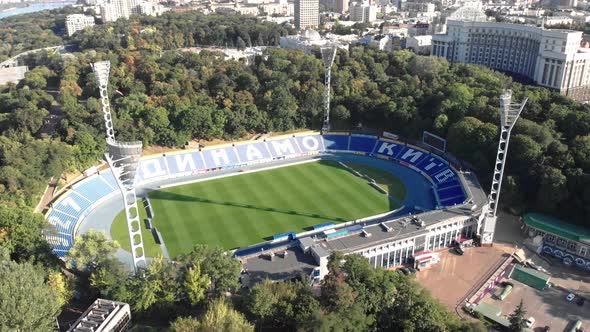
(328, 56)
(123, 158)
(509, 113)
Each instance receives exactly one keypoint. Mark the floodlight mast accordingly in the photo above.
(123, 159)
(509, 114)
(328, 56)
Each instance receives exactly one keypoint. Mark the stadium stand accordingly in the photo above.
(336, 142)
(92, 188)
(362, 143)
(109, 178)
(73, 205)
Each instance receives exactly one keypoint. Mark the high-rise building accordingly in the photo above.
(77, 22)
(115, 9)
(341, 6)
(363, 12)
(550, 57)
(307, 14)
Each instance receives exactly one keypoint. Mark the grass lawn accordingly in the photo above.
(121, 234)
(385, 180)
(241, 210)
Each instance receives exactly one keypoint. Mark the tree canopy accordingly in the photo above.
(27, 302)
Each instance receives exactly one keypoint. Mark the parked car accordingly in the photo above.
(570, 297)
(412, 270)
(459, 251)
(546, 329)
(530, 322)
(581, 301)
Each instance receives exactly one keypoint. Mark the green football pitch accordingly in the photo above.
(249, 208)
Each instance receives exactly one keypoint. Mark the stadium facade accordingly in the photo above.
(385, 240)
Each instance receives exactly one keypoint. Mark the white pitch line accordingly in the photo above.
(237, 173)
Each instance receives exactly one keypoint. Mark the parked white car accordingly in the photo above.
(570, 297)
(530, 322)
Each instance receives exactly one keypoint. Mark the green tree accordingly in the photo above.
(112, 280)
(20, 232)
(221, 268)
(61, 286)
(517, 320)
(185, 324)
(221, 317)
(90, 250)
(27, 303)
(336, 292)
(195, 284)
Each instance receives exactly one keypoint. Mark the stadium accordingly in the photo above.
(282, 204)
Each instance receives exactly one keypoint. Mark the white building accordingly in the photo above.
(555, 20)
(398, 30)
(363, 12)
(280, 8)
(551, 58)
(150, 8)
(419, 44)
(114, 10)
(307, 14)
(77, 22)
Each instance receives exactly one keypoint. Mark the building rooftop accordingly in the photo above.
(534, 272)
(281, 267)
(492, 313)
(558, 227)
(102, 315)
(12, 74)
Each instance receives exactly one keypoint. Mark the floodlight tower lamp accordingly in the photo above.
(123, 159)
(328, 56)
(509, 114)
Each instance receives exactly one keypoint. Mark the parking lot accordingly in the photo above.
(549, 307)
(454, 277)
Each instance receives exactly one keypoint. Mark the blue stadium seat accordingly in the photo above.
(63, 223)
(450, 192)
(336, 142)
(220, 157)
(283, 147)
(447, 184)
(453, 201)
(59, 253)
(110, 179)
(72, 204)
(432, 165)
(185, 162)
(362, 143)
(92, 188)
(390, 149)
(411, 155)
(309, 143)
(253, 152)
